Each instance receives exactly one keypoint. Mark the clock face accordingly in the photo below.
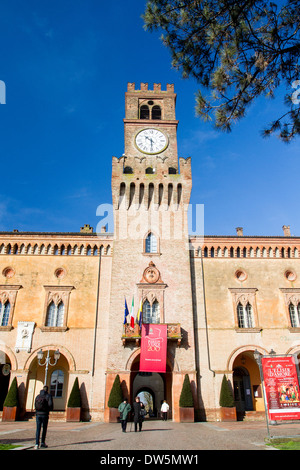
(151, 141)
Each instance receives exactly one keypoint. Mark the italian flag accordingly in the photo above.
(132, 314)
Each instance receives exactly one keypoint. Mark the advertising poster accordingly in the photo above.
(281, 387)
(153, 348)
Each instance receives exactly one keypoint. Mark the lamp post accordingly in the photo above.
(257, 357)
(47, 362)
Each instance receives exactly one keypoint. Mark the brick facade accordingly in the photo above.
(202, 285)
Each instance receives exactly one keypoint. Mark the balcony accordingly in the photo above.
(134, 334)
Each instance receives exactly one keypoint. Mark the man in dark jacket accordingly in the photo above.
(139, 413)
(43, 405)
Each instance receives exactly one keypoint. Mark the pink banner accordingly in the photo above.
(153, 348)
(282, 387)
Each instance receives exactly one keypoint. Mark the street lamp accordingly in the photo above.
(47, 362)
(257, 357)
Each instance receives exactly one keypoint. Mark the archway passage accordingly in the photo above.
(57, 381)
(247, 386)
(156, 387)
(5, 367)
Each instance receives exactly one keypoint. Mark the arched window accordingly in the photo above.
(156, 112)
(55, 314)
(144, 112)
(128, 170)
(172, 171)
(4, 313)
(150, 171)
(151, 312)
(57, 383)
(245, 316)
(294, 315)
(151, 243)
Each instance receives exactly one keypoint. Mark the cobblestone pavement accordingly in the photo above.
(156, 435)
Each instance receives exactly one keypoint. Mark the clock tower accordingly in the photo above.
(151, 189)
(150, 125)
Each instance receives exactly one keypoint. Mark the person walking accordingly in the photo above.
(164, 410)
(124, 409)
(139, 413)
(43, 405)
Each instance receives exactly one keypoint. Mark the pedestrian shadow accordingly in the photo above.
(82, 442)
(15, 441)
(154, 430)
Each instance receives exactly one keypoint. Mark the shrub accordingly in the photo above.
(186, 397)
(75, 398)
(12, 395)
(116, 395)
(226, 397)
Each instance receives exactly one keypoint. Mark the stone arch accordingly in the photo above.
(294, 350)
(170, 359)
(239, 351)
(65, 352)
(11, 355)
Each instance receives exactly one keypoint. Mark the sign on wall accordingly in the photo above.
(153, 348)
(24, 336)
(281, 387)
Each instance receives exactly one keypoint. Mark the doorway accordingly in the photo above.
(153, 386)
(4, 381)
(242, 391)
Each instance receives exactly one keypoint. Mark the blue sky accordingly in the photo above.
(66, 65)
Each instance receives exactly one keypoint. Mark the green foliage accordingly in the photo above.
(226, 397)
(116, 395)
(186, 397)
(236, 51)
(12, 395)
(75, 398)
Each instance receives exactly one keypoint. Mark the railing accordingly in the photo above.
(134, 334)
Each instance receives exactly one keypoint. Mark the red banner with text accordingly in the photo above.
(281, 387)
(153, 348)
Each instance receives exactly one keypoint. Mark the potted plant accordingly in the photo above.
(11, 402)
(115, 398)
(74, 403)
(228, 409)
(186, 402)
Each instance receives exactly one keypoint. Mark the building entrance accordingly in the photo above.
(152, 388)
(4, 381)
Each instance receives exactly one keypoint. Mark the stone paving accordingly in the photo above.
(156, 435)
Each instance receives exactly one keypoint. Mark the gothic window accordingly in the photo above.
(144, 112)
(128, 170)
(55, 314)
(244, 304)
(156, 112)
(8, 295)
(57, 383)
(151, 243)
(4, 313)
(56, 308)
(151, 312)
(294, 312)
(245, 316)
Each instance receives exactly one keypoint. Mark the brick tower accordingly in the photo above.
(151, 259)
